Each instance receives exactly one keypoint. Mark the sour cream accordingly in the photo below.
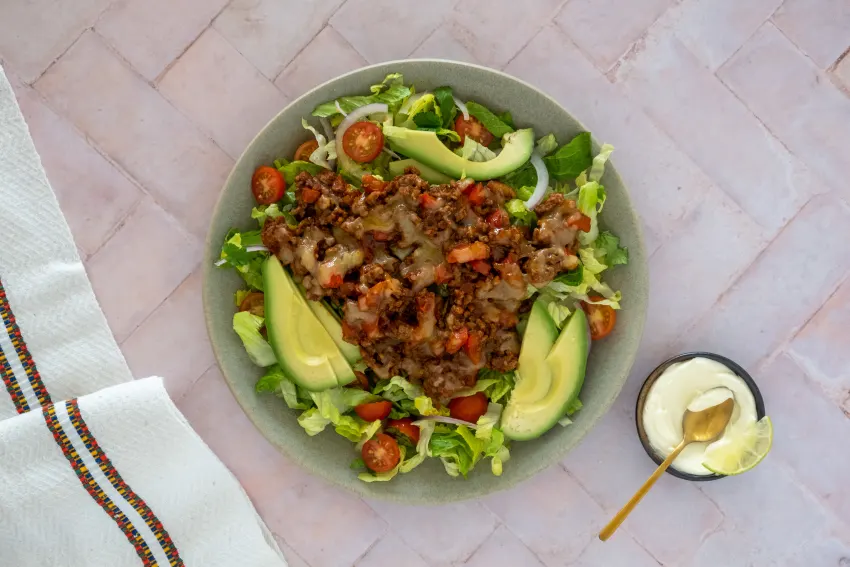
(688, 384)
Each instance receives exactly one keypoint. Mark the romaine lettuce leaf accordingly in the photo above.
(326, 151)
(392, 95)
(497, 385)
(524, 176)
(571, 158)
(397, 388)
(607, 247)
(493, 123)
(598, 166)
(331, 407)
(497, 451)
(488, 421)
(247, 326)
(446, 105)
(425, 407)
(393, 79)
(234, 254)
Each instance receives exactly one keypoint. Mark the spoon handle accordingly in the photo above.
(630, 505)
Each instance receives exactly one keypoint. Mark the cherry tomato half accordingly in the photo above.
(474, 129)
(305, 150)
(374, 411)
(363, 141)
(267, 185)
(254, 303)
(601, 318)
(469, 408)
(381, 453)
(405, 425)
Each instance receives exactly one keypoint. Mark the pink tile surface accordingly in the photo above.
(218, 89)
(606, 29)
(325, 57)
(353, 21)
(152, 350)
(180, 166)
(818, 27)
(804, 109)
(33, 33)
(729, 120)
(151, 254)
(150, 34)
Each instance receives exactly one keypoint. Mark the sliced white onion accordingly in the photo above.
(443, 419)
(542, 181)
(461, 107)
(220, 263)
(392, 153)
(338, 107)
(256, 249)
(356, 115)
(329, 132)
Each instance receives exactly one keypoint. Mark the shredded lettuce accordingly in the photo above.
(247, 326)
(290, 169)
(331, 405)
(425, 406)
(473, 151)
(497, 450)
(397, 388)
(325, 152)
(598, 166)
(493, 123)
(497, 385)
(240, 296)
(607, 247)
(445, 104)
(591, 198)
(234, 254)
(519, 213)
(546, 145)
(488, 421)
(275, 381)
(391, 92)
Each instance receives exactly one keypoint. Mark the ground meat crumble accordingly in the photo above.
(430, 278)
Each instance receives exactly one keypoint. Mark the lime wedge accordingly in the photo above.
(740, 449)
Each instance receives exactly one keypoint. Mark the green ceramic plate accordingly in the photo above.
(329, 455)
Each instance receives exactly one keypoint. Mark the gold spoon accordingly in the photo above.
(703, 426)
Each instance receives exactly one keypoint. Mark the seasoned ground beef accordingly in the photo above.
(431, 278)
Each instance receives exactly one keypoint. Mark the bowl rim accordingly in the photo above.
(650, 381)
(435, 499)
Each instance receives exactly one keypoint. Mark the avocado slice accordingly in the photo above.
(350, 352)
(425, 147)
(428, 174)
(303, 347)
(546, 386)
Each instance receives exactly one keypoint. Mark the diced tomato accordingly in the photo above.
(498, 218)
(457, 339)
(309, 195)
(349, 333)
(405, 426)
(363, 141)
(305, 150)
(333, 282)
(477, 195)
(381, 453)
(472, 348)
(374, 411)
(480, 266)
(254, 303)
(427, 201)
(474, 129)
(267, 185)
(442, 274)
(469, 408)
(601, 318)
(380, 235)
(579, 221)
(372, 184)
(468, 252)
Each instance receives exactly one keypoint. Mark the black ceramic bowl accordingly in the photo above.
(653, 376)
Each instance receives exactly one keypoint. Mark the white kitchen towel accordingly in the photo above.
(95, 469)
